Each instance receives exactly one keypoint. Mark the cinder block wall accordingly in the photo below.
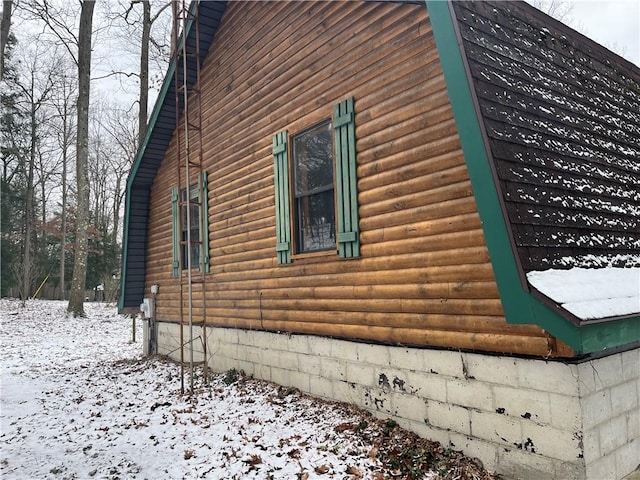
(525, 418)
(609, 400)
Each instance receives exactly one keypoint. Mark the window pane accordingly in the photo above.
(313, 160)
(315, 222)
(313, 189)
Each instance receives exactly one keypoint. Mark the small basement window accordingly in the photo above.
(313, 178)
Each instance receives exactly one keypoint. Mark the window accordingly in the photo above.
(313, 193)
(324, 196)
(197, 226)
(190, 224)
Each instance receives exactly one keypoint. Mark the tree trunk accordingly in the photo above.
(29, 212)
(7, 6)
(117, 202)
(76, 296)
(65, 110)
(144, 71)
(63, 215)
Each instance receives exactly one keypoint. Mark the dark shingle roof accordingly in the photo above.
(562, 118)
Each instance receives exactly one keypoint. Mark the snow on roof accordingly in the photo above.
(591, 293)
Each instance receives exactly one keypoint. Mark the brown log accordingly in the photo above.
(450, 208)
(518, 343)
(408, 91)
(457, 223)
(424, 274)
(248, 260)
(333, 319)
(249, 219)
(260, 279)
(259, 206)
(468, 290)
(273, 96)
(406, 121)
(414, 162)
(408, 196)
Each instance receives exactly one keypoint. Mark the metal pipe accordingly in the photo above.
(176, 21)
(187, 148)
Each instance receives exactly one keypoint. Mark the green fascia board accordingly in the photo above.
(520, 307)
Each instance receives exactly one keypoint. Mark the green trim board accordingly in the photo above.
(344, 139)
(162, 95)
(520, 307)
(125, 250)
(198, 194)
(132, 177)
(157, 109)
(150, 154)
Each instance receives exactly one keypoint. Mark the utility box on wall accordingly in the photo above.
(147, 310)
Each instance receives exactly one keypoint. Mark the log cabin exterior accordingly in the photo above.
(470, 144)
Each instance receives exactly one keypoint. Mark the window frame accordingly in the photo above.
(193, 200)
(297, 251)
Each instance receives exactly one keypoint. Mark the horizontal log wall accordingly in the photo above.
(424, 277)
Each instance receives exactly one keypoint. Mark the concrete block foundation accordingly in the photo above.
(529, 419)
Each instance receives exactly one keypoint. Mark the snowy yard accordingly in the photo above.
(78, 401)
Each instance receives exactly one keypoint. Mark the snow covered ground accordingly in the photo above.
(78, 401)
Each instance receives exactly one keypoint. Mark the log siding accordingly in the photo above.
(424, 276)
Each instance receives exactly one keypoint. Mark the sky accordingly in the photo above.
(612, 23)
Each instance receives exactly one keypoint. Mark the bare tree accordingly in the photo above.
(120, 125)
(562, 10)
(112, 148)
(76, 295)
(152, 48)
(144, 70)
(64, 105)
(35, 86)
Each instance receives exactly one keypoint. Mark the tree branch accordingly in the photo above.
(112, 74)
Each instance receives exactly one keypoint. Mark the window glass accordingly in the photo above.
(314, 189)
(194, 213)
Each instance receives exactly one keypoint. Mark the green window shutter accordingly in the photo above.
(175, 223)
(346, 179)
(281, 182)
(204, 227)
